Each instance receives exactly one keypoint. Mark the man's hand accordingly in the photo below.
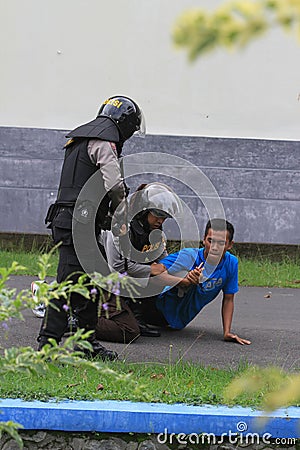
(195, 276)
(235, 338)
(123, 230)
(157, 269)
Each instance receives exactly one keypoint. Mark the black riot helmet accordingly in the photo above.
(126, 114)
(156, 198)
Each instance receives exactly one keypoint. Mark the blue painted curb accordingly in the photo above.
(124, 417)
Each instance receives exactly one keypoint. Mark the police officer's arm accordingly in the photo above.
(227, 315)
(183, 280)
(117, 263)
(104, 155)
(156, 269)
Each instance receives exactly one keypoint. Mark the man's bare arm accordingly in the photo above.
(227, 315)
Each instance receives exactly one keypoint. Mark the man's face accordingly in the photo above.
(216, 243)
(155, 222)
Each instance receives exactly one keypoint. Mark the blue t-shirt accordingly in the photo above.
(179, 307)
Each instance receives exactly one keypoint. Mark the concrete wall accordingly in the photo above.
(61, 59)
(258, 181)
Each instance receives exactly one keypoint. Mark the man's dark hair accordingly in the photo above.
(220, 225)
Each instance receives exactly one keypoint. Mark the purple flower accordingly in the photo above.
(4, 325)
(105, 306)
(122, 275)
(94, 291)
(66, 308)
(116, 291)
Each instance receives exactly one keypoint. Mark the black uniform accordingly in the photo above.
(84, 155)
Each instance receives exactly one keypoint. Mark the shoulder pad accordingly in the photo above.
(100, 128)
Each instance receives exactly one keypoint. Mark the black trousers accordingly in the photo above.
(145, 310)
(56, 318)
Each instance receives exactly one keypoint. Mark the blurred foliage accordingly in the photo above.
(12, 428)
(51, 357)
(234, 24)
(283, 388)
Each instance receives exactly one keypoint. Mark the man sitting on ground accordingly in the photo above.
(195, 278)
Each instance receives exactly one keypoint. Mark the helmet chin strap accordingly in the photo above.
(119, 146)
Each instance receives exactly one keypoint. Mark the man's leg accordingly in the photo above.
(146, 314)
(87, 313)
(120, 326)
(55, 321)
(150, 313)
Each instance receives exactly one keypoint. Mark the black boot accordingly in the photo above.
(42, 340)
(146, 330)
(98, 351)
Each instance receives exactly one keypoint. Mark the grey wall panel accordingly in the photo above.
(31, 143)
(201, 151)
(224, 152)
(31, 173)
(258, 181)
(229, 182)
(24, 210)
(262, 221)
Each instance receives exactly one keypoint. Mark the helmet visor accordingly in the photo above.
(141, 132)
(159, 213)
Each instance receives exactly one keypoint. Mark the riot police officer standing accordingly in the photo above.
(93, 147)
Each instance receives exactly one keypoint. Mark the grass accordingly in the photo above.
(261, 271)
(167, 383)
(183, 382)
(27, 259)
(264, 272)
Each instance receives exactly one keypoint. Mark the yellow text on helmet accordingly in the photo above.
(113, 102)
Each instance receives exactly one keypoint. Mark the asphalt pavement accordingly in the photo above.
(269, 317)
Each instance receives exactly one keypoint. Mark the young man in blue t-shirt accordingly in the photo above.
(196, 277)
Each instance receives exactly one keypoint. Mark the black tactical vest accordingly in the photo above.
(139, 238)
(139, 233)
(77, 169)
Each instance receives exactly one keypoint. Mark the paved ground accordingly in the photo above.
(272, 324)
